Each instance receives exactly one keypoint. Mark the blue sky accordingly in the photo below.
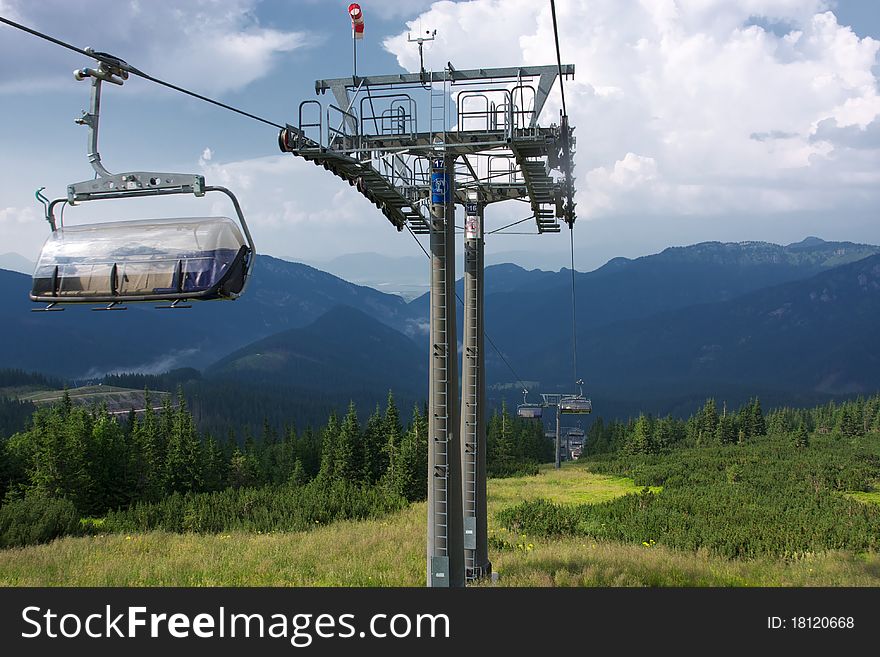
(691, 125)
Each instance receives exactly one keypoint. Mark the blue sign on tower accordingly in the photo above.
(441, 182)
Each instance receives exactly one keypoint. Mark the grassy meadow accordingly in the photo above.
(390, 552)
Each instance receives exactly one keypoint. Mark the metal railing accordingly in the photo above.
(341, 133)
(486, 115)
(522, 116)
(496, 109)
(305, 127)
(398, 115)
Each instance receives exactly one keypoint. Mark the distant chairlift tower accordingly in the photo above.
(415, 151)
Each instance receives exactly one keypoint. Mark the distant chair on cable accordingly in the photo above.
(575, 404)
(529, 411)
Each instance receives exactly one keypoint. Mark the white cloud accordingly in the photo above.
(13, 216)
(689, 106)
(395, 9)
(205, 157)
(212, 46)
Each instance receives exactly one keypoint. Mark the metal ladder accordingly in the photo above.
(471, 383)
(440, 439)
(439, 106)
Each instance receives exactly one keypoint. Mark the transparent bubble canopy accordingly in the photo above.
(143, 260)
(531, 411)
(575, 405)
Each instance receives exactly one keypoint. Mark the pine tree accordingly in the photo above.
(375, 456)
(108, 459)
(349, 448)
(329, 446)
(407, 473)
(392, 430)
(708, 421)
(500, 446)
(800, 438)
(215, 466)
(242, 471)
(183, 462)
(58, 462)
(148, 455)
(850, 422)
(663, 433)
(640, 441)
(758, 427)
(726, 432)
(872, 414)
(308, 451)
(298, 475)
(267, 455)
(693, 428)
(6, 468)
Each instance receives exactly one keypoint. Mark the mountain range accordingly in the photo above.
(78, 343)
(15, 262)
(658, 333)
(343, 350)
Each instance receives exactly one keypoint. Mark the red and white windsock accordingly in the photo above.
(357, 20)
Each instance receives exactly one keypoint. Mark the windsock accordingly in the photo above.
(357, 20)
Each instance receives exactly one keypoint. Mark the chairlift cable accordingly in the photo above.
(498, 230)
(574, 343)
(558, 55)
(500, 355)
(428, 255)
(107, 59)
(571, 225)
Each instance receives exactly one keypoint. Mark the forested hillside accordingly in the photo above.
(78, 470)
(732, 483)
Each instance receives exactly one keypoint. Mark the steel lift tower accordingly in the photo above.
(416, 145)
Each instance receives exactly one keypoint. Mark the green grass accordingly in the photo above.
(388, 552)
(87, 394)
(570, 485)
(578, 562)
(48, 396)
(868, 497)
(391, 552)
(117, 400)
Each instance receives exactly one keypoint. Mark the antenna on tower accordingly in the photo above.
(421, 41)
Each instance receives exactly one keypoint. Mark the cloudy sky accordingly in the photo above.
(696, 119)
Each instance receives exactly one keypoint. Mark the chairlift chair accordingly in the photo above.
(529, 411)
(146, 260)
(575, 405)
(173, 260)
